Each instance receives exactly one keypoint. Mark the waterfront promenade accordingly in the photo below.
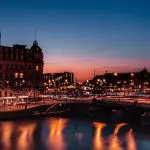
(119, 101)
(43, 102)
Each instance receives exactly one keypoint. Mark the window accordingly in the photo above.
(7, 66)
(11, 66)
(29, 68)
(6, 76)
(37, 68)
(1, 76)
(66, 75)
(16, 75)
(5, 93)
(21, 67)
(21, 75)
(10, 94)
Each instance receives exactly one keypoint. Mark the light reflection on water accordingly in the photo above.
(68, 134)
(115, 143)
(7, 129)
(25, 136)
(55, 139)
(98, 139)
(131, 143)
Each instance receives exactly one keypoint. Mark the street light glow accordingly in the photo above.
(115, 74)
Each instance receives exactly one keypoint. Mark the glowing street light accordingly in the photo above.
(118, 82)
(98, 80)
(132, 74)
(115, 74)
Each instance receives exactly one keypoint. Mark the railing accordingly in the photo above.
(51, 101)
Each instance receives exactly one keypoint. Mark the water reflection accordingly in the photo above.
(118, 127)
(25, 137)
(98, 139)
(65, 134)
(114, 141)
(131, 144)
(7, 129)
(79, 137)
(55, 138)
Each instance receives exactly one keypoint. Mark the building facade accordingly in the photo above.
(54, 80)
(133, 81)
(21, 69)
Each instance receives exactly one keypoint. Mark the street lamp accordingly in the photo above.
(115, 74)
(98, 80)
(132, 74)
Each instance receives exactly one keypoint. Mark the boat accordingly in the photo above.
(145, 119)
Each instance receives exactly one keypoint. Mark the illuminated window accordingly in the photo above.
(37, 68)
(5, 93)
(66, 74)
(16, 75)
(21, 75)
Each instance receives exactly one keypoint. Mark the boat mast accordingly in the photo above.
(94, 84)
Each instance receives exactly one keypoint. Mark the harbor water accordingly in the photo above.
(72, 134)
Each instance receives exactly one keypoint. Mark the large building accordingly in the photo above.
(21, 69)
(52, 80)
(139, 80)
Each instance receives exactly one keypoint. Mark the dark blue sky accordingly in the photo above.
(81, 34)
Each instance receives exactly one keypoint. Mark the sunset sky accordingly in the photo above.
(80, 35)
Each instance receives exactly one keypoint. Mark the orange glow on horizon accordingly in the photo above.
(84, 69)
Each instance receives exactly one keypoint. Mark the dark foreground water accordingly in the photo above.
(72, 134)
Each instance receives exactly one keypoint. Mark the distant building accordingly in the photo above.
(53, 80)
(21, 68)
(133, 80)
